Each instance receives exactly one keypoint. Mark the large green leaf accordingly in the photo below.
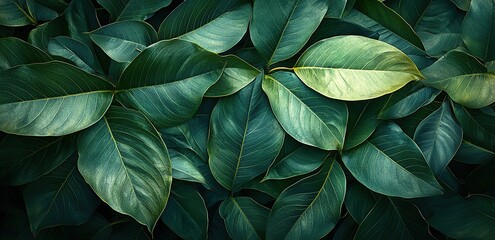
(25, 159)
(123, 41)
(479, 128)
(387, 17)
(392, 155)
(310, 208)
(14, 52)
(478, 29)
(276, 22)
(167, 81)
(343, 72)
(59, 198)
(244, 218)
(305, 115)
(132, 9)
(215, 25)
(75, 51)
(186, 213)
(439, 136)
(459, 218)
(462, 77)
(51, 99)
(393, 219)
(302, 160)
(125, 161)
(253, 133)
(16, 13)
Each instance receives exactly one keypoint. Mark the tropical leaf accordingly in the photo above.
(363, 120)
(478, 29)
(244, 218)
(183, 76)
(75, 51)
(272, 35)
(346, 75)
(215, 25)
(397, 159)
(306, 116)
(310, 208)
(480, 128)
(15, 52)
(359, 201)
(236, 75)
(255, 137)
(16, 13)
(132, 9)
(128, 166)
(59, 198)
(51, 99)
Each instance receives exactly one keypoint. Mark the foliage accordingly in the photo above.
(247, 119)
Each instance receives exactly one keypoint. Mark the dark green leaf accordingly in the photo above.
(336, 8)
(59, 198)
(473, 154)
(363, 120)
(132, 9)
(173, 73)
(186, 213)
(305, 115)
(276, 21)
(359, 201)
(478, 29)
(75, 51)
(16, 13)
(188, 166)
(479, 128)
(244, 218)
(439, 136)
(15, 52)
(128, 165)
(236, 75)
(343, 72)
(254, 137)
(392, 155)
(310, 208)
(51, 99)
(215, 25)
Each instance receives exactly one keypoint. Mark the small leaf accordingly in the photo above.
(75, 51)
(128, 166)
(186, 213)
(25, 159)
(343, 72)
(275, 22)
(123, 41)
(363, 120)
(310, 208)
(392, 155)
(215, 25)
(439, 136)
(51, 99)
(59, 198)
(244, 218)
(305, 115)
(188, 166)
(174, 73)
(254, 137)
(236, 75)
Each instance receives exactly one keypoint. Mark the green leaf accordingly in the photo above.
(462, 77)
(271, 187)
(310, 208)
(244, 218)
(346, 229)
(215, 25)
(343, 72)
(472, 154)
(51, 99)
(454, 216)
(188, 166)
(305, 115)
(478, 29)
(254, 137)
(276, 22)
(462, 4)
(186, 213)
(411, 122)
(75, 51)
(123, 41)
(336, 8)
(479, 128)
(300, 161)
(128, 166)
(15, 13)
(41, 35)
(236, 75)
(15, 52)
(132, 9)
(393, 219)
(363, 120)
(25, 159)
(439, 136)
(387, 17)
(59, 198)
(191, 135)
(359, 201)
(174, 73)
(392, 155)
(407, 100)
